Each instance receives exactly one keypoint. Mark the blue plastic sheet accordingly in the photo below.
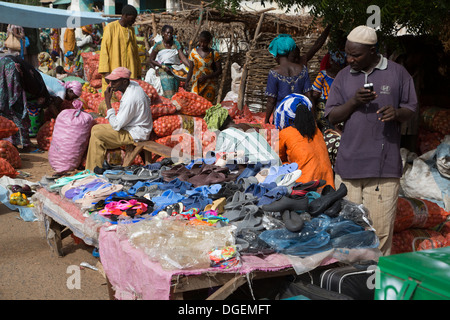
(26, 213)
(320, 234)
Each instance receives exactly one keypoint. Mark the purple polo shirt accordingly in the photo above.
(370, 148)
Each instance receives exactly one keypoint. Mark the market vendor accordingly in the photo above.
(301, 141)
(369, 161)
(132, 123)
(61, 95)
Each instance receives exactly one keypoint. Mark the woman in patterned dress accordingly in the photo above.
(164, 54)
(20, 82)
(204, 69)
(287, 77)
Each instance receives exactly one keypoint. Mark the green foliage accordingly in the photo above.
(417, 16)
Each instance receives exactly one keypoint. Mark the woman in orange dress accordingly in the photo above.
(302, 142)
(204, 69)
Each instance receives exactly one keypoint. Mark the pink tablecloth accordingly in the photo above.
(134, 276)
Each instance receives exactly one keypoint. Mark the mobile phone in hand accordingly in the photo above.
(368, 86)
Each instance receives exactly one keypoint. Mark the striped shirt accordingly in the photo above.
(322, 84)
(251, 144)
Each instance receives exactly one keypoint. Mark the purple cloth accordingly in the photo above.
(279, 86)
(370, 148)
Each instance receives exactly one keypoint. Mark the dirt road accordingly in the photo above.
(29, 270)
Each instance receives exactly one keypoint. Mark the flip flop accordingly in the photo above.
(144, 190)
(240, 212)
(250, 222)
(141, 174)
(239, 198)
(251, 170)
(300, 189)
(276, 171)
(227, 190)
(273, 195)
(217, 205)
(262, 175)
(288, 179)
(244, 183)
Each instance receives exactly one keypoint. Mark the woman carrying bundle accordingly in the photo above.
(164, 54)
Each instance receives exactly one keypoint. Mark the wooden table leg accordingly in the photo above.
(228, 288)
(56, 234)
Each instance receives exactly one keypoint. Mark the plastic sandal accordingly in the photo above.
(239, 198)
(60, 182)
(288, 179)
(217, 205)
(141, 174)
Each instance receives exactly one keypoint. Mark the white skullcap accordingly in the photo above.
(363, 34)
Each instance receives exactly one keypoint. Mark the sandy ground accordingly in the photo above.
(29, 270)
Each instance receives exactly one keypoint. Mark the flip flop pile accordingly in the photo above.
(253, 199)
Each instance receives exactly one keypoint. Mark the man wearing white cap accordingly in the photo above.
(368, 161)
(133, 122)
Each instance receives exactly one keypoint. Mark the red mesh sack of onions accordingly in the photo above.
(159, 110)
(6, 169)
(418, 213)
(7, 128)
(409, 240)
(182, 141)
(190, 103)
(44, 135)
(149, 90)
(166, 125)
(10, 154)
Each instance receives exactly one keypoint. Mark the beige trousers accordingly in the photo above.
(381, 204)
(104, 137)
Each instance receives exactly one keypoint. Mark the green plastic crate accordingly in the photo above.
(420, 275)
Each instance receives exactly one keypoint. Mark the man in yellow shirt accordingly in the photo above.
(119, 47)
(69, 40)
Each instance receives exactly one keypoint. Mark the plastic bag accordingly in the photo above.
(70, 139)
(320, 234)
(176, 244)
(356, 213)
(418, 213)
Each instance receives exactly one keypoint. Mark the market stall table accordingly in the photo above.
(61, 218)
(133, 275)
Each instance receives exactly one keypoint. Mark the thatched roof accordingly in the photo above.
(240, 28)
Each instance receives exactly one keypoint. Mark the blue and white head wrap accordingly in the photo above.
(287, 108)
